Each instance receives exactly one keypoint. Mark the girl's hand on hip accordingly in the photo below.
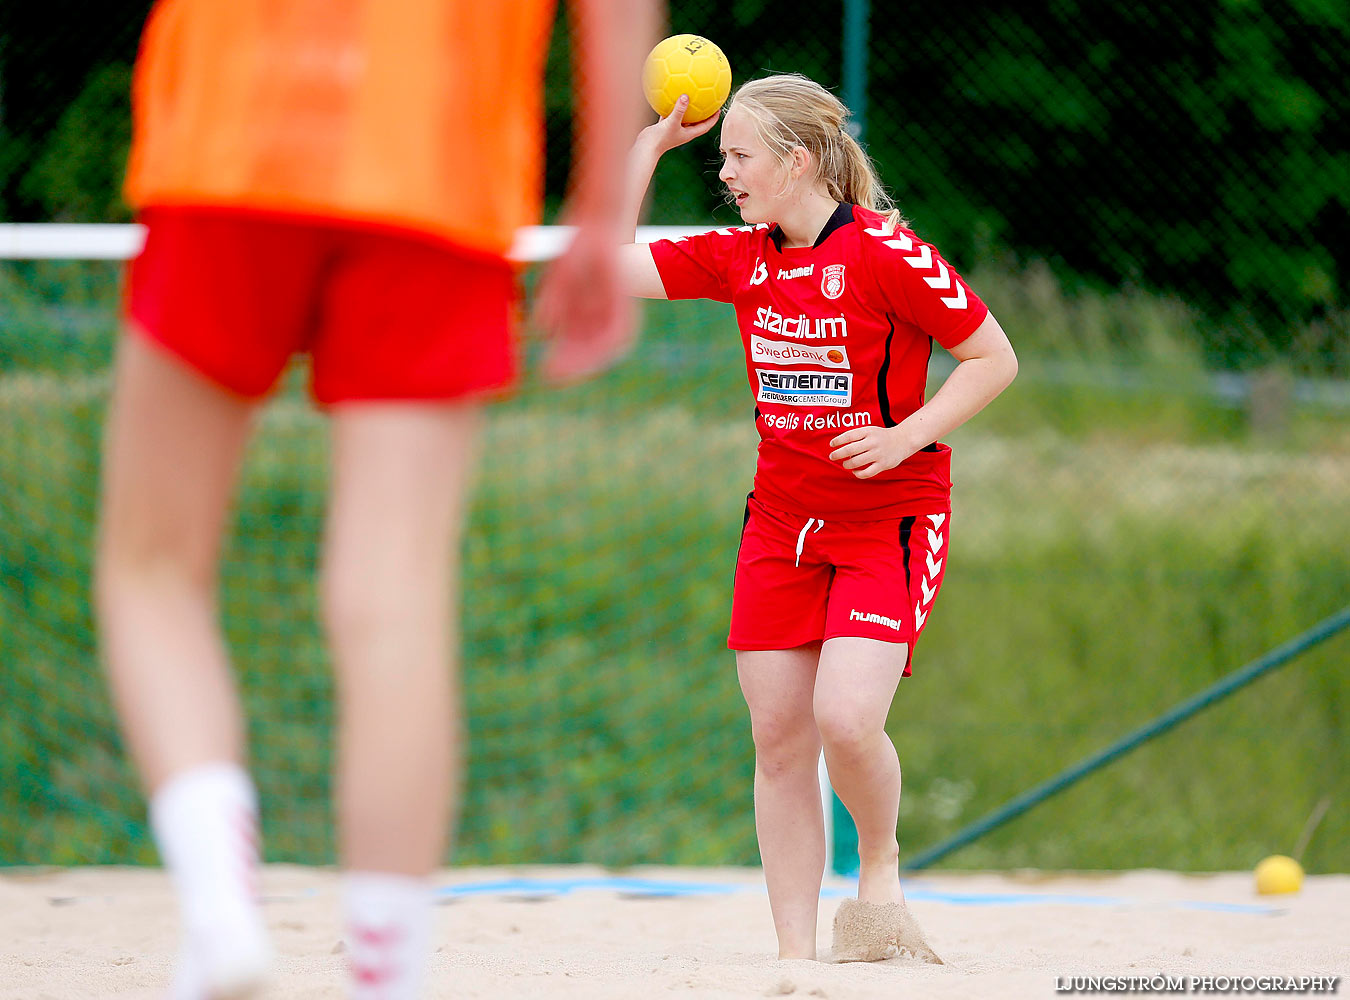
(866, 451)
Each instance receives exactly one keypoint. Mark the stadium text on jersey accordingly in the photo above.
(801, 327)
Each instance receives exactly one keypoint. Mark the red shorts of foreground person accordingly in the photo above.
(803, 579)
(383, 314)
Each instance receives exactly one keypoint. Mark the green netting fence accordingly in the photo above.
(1148, 198)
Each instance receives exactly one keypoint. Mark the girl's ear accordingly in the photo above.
(801, 160)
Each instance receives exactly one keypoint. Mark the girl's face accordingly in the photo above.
(754, 176)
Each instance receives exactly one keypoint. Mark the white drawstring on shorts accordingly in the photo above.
(801, 538)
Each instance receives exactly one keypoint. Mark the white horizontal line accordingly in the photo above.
(109, 241)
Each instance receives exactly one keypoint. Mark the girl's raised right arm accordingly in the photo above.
(640, 276)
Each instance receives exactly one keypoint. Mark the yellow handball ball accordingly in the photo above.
(1278, 874)
(687, 64)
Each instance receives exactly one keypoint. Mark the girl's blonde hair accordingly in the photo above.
(792, 110)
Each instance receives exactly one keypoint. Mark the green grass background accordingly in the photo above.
(1122, 540)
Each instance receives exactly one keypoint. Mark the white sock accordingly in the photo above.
(387, 921)
(205, 821)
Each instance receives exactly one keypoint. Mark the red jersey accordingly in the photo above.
(836, 335)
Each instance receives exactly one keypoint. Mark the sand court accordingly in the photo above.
(585, 932)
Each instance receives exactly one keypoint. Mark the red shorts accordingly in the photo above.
(382, 314)
(801, 580)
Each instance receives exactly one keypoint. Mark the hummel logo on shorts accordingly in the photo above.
(858, 616)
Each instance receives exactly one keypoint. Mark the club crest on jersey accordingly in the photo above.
(832, 281)
(761, 273)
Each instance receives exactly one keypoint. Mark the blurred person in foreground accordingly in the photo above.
(339, 180)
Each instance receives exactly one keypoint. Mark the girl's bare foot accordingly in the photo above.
(872, 932)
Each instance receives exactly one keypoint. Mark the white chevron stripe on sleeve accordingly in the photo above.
(923, 259)
(957, 301)
(943, 279)
(934, 540)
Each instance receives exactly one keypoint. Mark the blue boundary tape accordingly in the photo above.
(535, 888)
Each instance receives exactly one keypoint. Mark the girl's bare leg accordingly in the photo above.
(390, 596)
(173, 445)
(854, 687)
(778, 686)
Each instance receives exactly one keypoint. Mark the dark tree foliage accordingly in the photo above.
(52, 52)
(1196, 148)
(1191, 148)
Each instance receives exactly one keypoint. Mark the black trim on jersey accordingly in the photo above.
(841, 217)
(933, 446)
(745, 523)
(906, 527)
(882, 399)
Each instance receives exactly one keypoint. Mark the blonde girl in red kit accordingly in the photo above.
(846, 533)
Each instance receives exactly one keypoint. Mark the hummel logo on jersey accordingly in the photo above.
(858, 616)
(761, 273)
(800, 327)
(796, 272)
